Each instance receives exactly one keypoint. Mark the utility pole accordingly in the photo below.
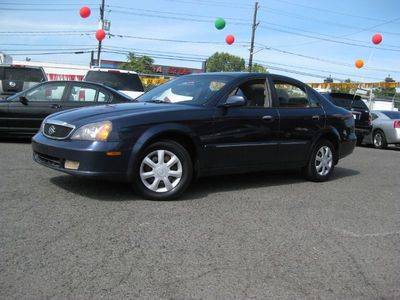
(253, 35)
(101, 24)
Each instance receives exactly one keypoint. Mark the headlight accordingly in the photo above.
(93, 132)
(42, 126)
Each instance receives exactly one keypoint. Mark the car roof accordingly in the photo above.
(80, 81)
(88, 82)
(241, 74)
(112, 70)
(18, 66)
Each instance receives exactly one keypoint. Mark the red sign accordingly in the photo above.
(167, 70)
(53, 77)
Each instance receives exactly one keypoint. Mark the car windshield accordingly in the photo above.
(191, 89)
(116, 80)
(392, 114)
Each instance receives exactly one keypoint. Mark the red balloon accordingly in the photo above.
(100, 35)
(230, 39)
(85, 12)
(377, 38)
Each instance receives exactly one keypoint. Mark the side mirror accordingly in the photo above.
(234, 101)
(23, 100)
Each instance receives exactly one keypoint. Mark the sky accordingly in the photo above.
(308, 40)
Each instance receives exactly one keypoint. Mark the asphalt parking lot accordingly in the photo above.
(264, 235)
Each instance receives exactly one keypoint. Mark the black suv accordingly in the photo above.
(359, 110)
(17, 78)
(200, 125)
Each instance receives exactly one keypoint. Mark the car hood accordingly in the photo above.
(111, 112)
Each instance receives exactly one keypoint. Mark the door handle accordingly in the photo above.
(268, 118)
(315, 118)
(55, 106)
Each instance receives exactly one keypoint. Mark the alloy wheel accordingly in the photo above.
(323, 160)
(161, 171)
(378, 140)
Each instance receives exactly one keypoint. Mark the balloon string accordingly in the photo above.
(371, 54)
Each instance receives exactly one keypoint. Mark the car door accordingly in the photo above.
(42, 101)
(81, 94)
(301, 118)
(246, 136)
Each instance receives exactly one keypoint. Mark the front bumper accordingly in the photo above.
(92, 158)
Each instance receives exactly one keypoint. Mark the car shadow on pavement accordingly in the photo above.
(205, 186)
(117, 191)
(26, 140)
(389, 148)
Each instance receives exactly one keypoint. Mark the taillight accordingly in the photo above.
(396, 124)
(369, 119)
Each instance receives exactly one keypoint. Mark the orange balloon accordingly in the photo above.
(359, 63)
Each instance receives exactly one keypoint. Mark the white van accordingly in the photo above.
(127, 82)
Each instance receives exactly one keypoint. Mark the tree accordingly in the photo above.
(257, 68)
(386, 92)
(139, 64)
(225, 62)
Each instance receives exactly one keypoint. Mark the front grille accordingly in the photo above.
(57, 131)
(49, 160)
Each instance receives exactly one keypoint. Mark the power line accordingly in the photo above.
(322, 37)
(334, 62)
(50, 53)
(330, 11)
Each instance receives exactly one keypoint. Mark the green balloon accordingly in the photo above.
(220, 23)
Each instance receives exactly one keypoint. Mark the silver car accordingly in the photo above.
(385, 129)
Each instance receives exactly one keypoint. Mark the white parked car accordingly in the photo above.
(127, 82)
(385, 128)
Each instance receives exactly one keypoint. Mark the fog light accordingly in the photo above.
(72, 165)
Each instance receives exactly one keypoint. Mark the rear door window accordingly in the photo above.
(116, 80)
(291, 95)
(80, 93)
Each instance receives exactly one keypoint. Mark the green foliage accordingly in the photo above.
(139, 64)
(225, 62)
(257, 68)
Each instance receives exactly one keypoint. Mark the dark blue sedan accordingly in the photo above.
(200, 125)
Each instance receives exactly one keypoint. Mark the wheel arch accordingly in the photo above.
(331, 134)
(175, 132)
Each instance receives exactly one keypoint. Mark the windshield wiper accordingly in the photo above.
(157, 101)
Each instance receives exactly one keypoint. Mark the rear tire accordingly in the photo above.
(321, 163)
(163, 171)
(379, 140)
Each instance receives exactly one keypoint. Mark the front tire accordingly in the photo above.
(163, 171)
(321, 163)
(379, 140)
